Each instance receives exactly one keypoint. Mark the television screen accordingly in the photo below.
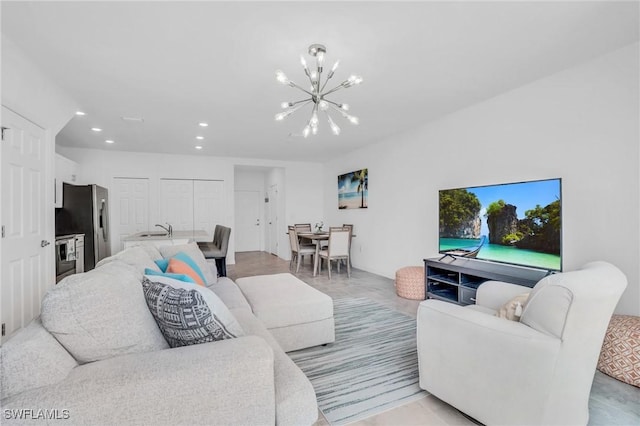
(517, 223)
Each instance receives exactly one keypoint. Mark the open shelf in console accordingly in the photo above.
(457, 280)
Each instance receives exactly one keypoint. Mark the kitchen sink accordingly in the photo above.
(154, 234)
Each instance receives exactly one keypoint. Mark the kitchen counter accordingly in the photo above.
(161, 238)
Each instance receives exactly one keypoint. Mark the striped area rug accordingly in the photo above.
(371, 367)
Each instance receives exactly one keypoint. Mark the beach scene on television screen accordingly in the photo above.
(353, 190)
(518, 223)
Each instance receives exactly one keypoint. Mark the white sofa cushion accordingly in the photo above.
(547, 309)
(136, 256)
(101, 314)
(32, 359)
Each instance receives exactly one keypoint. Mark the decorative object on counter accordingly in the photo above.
(317, 93)
(353, 190)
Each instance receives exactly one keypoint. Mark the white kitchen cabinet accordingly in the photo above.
(66, 170)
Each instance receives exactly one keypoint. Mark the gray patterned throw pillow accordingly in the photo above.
(185, 316)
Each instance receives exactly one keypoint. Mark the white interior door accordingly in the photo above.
(176, 203)
(208, 205)
(273, 219)
(131, 208)
(248, 224)
(27, 256)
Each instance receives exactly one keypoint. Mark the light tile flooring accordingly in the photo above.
(612, 402)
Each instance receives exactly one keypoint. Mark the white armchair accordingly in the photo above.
(536, 371)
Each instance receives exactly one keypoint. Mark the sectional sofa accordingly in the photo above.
(96, 356)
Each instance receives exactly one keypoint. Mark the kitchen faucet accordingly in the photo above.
(169, 229)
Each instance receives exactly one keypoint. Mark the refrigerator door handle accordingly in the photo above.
(103, 219)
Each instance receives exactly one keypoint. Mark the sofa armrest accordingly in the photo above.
(494, 294)
(491, 356)
(227, 382)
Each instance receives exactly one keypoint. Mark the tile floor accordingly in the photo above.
(612, 402)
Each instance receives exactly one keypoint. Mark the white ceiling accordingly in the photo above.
(177, 63)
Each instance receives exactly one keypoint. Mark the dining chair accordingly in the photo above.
(298, 251)
(304, 227)
(338, 249)
(350, 226)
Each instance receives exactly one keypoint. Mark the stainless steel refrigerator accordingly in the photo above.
(85, 210)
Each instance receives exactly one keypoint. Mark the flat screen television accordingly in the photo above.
(518, 223)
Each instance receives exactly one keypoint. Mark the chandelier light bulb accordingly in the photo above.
(354, 79)
(314, 75)
(314, 130)
(353, 120)
(303, 62)
(335, 66)
(324, 105)
(286, 105)
(334, 127)
(314, 121)
(320, 57)
(282, 77)
(282, 115)
(306, 131)
(344, 107)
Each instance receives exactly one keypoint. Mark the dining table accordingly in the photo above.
(316, 238)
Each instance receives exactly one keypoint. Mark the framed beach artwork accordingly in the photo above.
(353, 190)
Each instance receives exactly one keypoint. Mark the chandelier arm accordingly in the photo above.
(326, 81)
(298, 87)
(300, 106)
(334, 103)
(301, 100)
(319, 71)
(335, 89)
(336, 108)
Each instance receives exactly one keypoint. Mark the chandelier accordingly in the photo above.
(317, 95)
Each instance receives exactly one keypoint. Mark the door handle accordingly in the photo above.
(44, 243)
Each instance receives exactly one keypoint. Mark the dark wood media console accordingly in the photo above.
(456, 279)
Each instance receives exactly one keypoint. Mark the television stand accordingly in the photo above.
(457, 280)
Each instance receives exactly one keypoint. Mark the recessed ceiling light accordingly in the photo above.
(134, 119)
(203, 124)
(109, 141)
(198, 147)
(199, 137)
(80, 113)
(96, 129)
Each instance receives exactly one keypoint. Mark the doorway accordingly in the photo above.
(248, 223)
(27, 253)
(272, 219)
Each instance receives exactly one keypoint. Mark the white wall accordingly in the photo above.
(293, 178)
(580, 124)
(29, 92)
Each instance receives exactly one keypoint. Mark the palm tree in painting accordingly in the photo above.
(362, 176)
